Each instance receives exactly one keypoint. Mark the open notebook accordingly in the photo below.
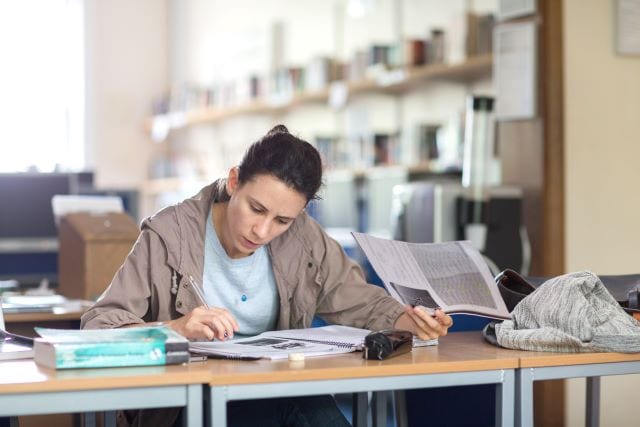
(322, 341)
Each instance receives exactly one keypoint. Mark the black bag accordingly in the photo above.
(625, 289)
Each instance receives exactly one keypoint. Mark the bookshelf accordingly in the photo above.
(394, 82)
(373, 98)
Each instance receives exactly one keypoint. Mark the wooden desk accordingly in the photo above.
(28, 389)
(23, 323)
(461, 358)
(56, 315)
(538, 366)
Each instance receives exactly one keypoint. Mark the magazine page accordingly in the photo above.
(450, 275)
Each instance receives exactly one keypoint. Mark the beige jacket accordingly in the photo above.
(312, 273)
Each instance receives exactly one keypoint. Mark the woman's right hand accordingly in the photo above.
(205, 323)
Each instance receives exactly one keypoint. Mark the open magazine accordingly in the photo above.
(449, 275)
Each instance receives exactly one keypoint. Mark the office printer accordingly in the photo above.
(438, 211)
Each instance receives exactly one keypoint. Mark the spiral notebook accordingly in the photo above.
(321, 341)
(338, 335)
(335, 335)
(274, 345)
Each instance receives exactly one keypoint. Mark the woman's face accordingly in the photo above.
(259, 210)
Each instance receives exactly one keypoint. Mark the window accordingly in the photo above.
(41, 85)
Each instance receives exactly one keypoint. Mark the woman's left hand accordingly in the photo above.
(422, 324)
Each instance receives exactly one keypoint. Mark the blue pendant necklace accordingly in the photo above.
(214, 220)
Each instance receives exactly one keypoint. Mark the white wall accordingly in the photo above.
(602, 137)
(126, 65)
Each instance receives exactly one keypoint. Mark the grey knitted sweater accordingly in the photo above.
(571, 313)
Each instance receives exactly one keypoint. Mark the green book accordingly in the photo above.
(99, 348)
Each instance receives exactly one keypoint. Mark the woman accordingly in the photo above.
(262, 262)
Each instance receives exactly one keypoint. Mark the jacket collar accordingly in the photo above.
(182, 227)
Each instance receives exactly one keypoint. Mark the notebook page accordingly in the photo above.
(262, 346)
(337, 335)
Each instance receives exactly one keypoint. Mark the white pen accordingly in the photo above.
(198, 292)
(200, 295)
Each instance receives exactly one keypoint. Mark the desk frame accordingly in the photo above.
(109, 399)
(525, 378)
(503, 378)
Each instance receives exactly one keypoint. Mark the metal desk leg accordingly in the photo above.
(593, 402)
(400, 406)
(110, 418)
(218, 406)
(524, 397)
(89, 419)
(192, 414)
(379, 408)
(505, 399)
(359, 408)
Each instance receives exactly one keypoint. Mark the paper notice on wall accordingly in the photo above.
(515, 70)
(628, 27)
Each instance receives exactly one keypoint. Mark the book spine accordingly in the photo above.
(81, 350)
(95, 355)
(110, 361)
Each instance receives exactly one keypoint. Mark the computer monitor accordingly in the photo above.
(26, 204)
(28, 234)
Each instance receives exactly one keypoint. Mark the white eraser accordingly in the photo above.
(429, 311)
(296, 357)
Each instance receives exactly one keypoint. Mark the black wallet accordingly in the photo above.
(387, 343)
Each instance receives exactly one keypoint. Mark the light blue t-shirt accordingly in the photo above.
(246, 287)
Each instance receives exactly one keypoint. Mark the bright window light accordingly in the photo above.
(41, 85)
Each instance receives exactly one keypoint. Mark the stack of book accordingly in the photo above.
(101, 348)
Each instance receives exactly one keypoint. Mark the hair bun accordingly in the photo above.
(278, 129)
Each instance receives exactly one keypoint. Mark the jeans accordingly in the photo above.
(309, 411)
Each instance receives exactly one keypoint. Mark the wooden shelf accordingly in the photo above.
(397, 82)
(412, 170)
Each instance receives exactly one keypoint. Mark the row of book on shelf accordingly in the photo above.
(438, 145)
(434, 144)
(284, 82)
(459, 282)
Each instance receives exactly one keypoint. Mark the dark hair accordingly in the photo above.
(287, 157)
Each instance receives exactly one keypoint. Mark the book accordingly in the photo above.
(14, 346)
(451, 275)
(99, 348)
(274, 345)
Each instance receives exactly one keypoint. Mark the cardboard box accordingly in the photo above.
(92, 249)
